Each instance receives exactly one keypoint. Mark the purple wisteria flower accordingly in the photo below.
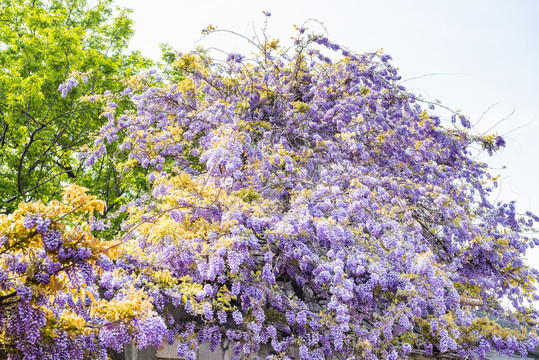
(68, 85)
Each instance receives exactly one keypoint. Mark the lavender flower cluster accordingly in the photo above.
(67, 86)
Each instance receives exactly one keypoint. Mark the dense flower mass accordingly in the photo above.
(311, 203)
(49, 298)
(295, 200)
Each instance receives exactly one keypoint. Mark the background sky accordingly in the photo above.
(484, 54)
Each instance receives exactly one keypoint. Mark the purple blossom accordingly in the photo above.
(267, 274)
(21, 267)
(52, 240)
(222, 316)
(67, 86)
(237, 316)
(208, 311)
(42, 224)
(150, 331)
(24, 293)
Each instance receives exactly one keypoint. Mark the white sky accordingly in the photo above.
(487, 49)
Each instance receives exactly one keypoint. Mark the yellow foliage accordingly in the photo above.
(76, 197)
(135, 302)
(224, 298)
(300, 107)
(163, 277)
(70, 320)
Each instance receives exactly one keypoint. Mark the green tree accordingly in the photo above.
(44, 46)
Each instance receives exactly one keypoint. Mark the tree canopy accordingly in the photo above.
(43, 44)
(312, 203)
(302, 198)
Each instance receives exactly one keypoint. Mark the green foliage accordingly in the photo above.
(42, 44)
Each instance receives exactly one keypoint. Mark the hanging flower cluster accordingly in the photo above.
(313, 204)
(49, 298)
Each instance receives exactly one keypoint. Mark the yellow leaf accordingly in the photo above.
(83, 295)
(91, 296)
(53, 284)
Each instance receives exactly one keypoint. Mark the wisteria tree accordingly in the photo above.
(313, 204)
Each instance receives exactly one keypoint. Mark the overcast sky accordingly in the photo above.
(484, 52)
